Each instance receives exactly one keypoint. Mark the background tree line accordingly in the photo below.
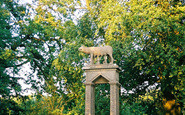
(147, 37)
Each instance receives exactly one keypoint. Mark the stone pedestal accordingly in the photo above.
(114, 98)
(100, 74)
(89, 98)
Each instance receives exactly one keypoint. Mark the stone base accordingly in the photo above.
(101, 66)
(99, 74)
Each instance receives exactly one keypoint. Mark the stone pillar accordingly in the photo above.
(114, 98)
(101, 74)
(89, 99)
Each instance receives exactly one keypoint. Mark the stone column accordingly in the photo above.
(114, 98)
(89, 99)
(100, 74)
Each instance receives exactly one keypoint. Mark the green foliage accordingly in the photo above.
(53, 105)
(102, 99)
(7, 55)
(133, 109)
(4, 54)
(147, 37)
(10, 12)
(10, 107)
(148, 42)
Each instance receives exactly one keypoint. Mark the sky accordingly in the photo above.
(25, 69)
(25, 1)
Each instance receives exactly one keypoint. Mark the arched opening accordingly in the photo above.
(102, 99)
(102, 90)
(102, 96)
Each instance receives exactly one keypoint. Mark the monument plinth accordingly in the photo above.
(101, 74)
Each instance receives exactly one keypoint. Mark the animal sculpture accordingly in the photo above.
(98, 52)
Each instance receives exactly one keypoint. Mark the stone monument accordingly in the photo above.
(97, 73)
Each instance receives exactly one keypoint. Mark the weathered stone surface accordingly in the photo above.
(89, 100)
(109, 72)
(99, 74)
(98, 52)
(114, 98)
(100, 80)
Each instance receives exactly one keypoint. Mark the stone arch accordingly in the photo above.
(97, 74)
(100, 79)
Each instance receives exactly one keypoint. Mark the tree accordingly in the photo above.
(149, 44)
(9, 64)
(44, 36)
(147, 37)
(8, 54)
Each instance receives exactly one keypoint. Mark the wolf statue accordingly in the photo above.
(98, 52)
